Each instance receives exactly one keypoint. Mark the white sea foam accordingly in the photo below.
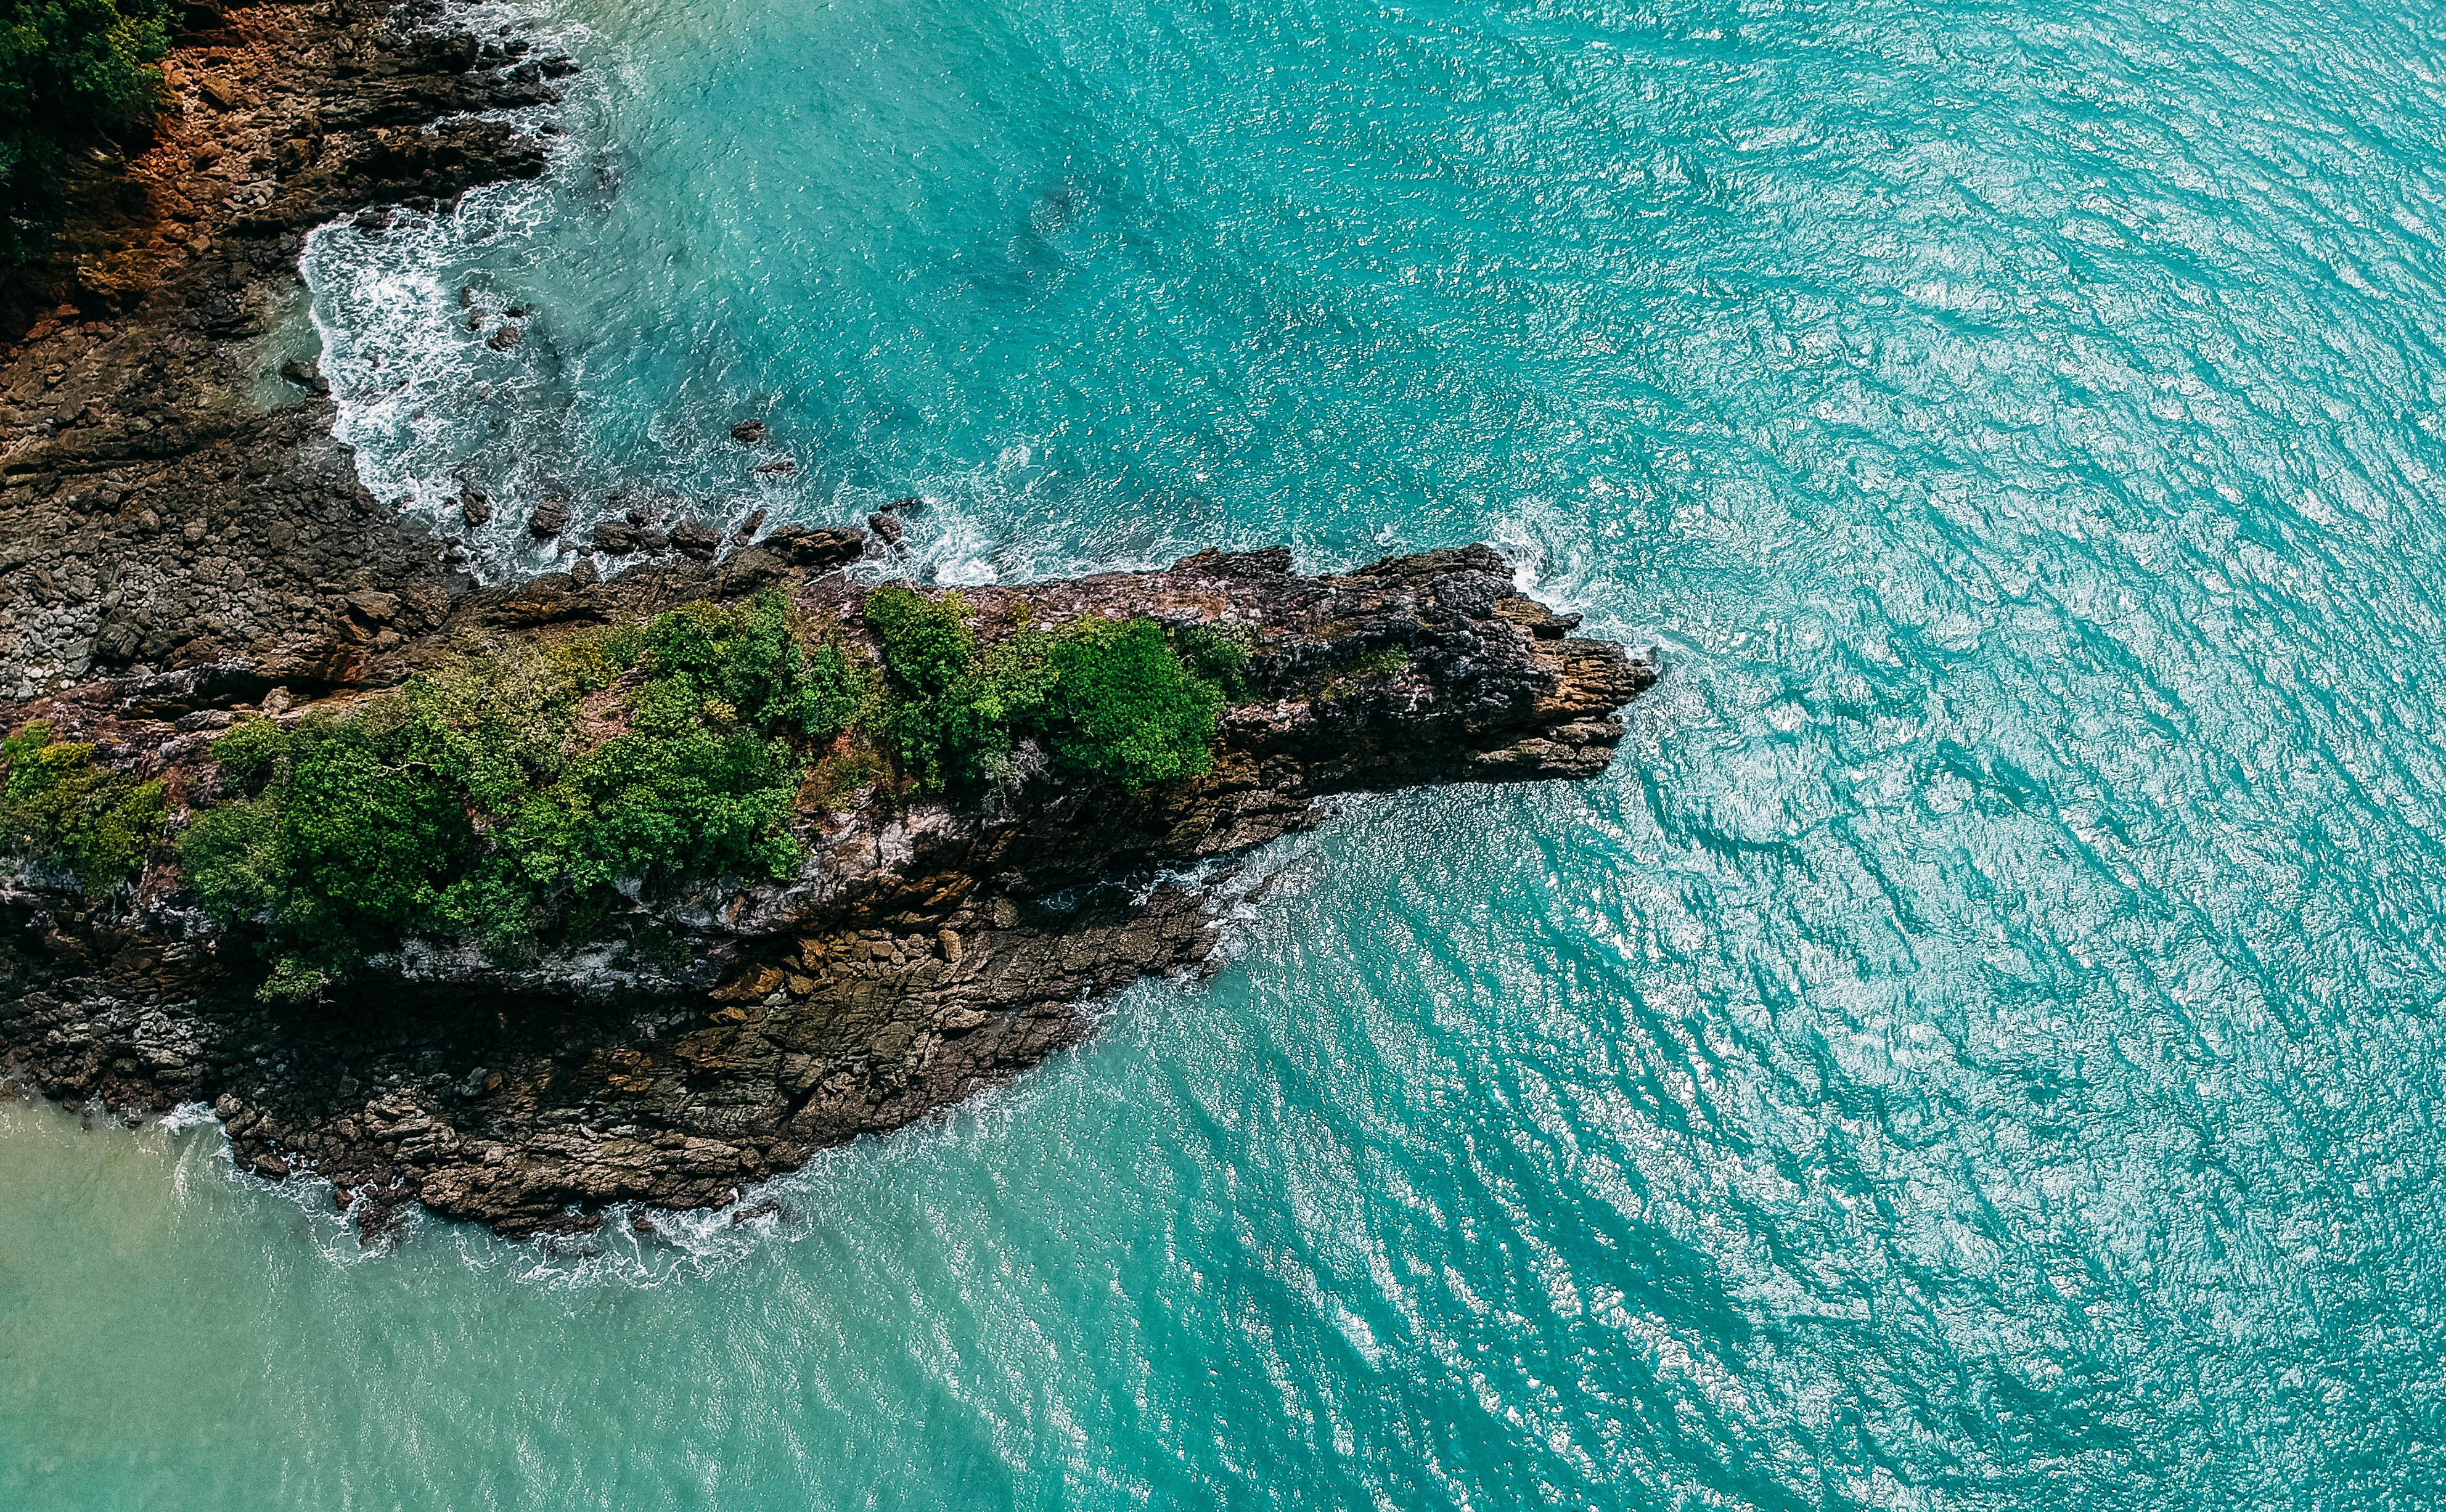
(418, 397)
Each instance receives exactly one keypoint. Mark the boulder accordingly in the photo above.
(801, 547)
(697, 539)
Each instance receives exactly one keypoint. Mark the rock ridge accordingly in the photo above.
(929, 947)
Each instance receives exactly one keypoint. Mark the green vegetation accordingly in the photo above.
(1124, 704)
(470, 804)
(510, 802)
(72, 70)
(1109, 698)
(57, 805)
(1218, 654)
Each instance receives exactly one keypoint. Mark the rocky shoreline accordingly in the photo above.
(182, 556)
(168, 498)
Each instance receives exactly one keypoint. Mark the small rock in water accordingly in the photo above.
(473, 507)
(466, 295)
(750, 432)
(748, 1214)
(886, 528)
(503, 339)
(905, 507)
(748, 527)
(616, 536)
(643, 1224)
(306, 373)
(585, 572)
(550, 519)
(475, 320)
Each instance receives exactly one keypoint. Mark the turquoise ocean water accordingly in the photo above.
(1979, 1048)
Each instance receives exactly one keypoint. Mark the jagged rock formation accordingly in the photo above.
(926, 948)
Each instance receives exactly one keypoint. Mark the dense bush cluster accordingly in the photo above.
(511, 802)
(1105, 697)
(71, 69)
(473, 804)
(57, 805)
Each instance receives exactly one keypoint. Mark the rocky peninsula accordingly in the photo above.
(918, 834)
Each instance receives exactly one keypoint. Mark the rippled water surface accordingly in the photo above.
(1979, 1046)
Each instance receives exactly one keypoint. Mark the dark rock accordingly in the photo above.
(379, 608)
(473, 507)
(748, 527)
(615, 537)
(117, 642)
(696, 539)
(750, 432)
(801, 547)
(306, 373)
(503, 338)
(886, 528)
(550, 517)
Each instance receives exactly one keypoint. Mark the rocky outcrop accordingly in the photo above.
(170, 493)
(926, 948)
(181, 540)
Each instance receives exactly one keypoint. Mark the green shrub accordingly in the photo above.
(1219, 654)
(69, 71)
(56, 805)
(748, 657)
(468, 806)
(1111, 698)
(1123, 705)
(948, 710)
(463, 806)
